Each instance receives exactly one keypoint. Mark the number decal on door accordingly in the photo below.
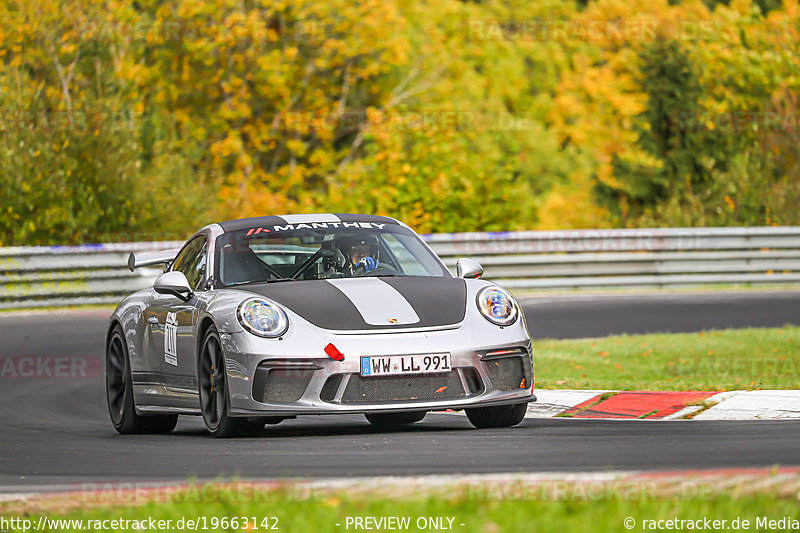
(171, 340)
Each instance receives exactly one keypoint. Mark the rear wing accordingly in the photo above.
(151, 258)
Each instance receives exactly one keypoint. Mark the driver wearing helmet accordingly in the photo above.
(361, 254)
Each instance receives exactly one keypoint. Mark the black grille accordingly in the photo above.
(508, 373)
(399, 388)
(286, 385)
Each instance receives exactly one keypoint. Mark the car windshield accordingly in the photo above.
(322, 251)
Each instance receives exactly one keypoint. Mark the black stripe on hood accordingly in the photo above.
(437, 301)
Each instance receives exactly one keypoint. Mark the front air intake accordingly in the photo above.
(509, 369)
(285, 386)
(277, 382)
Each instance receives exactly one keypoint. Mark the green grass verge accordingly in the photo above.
(713, 360)
(558, 515)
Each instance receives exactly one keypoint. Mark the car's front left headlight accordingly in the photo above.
(497, 306)
(262, 318)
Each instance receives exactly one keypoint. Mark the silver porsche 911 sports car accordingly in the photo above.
(258, 320)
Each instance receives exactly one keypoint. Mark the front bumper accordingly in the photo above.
(287, 379)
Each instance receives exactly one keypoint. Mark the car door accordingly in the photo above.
(172, 324)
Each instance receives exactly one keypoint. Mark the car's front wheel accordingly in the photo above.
(395, 419)
(213, 385)
(119, 393)
(497, 417)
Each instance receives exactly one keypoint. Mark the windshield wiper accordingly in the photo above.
(257, 281)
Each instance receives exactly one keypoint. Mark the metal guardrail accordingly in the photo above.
(528, 260)
(630, 258)
(45, 276)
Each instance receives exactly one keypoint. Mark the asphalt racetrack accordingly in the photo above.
(56, 431)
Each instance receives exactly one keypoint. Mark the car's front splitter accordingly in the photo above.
(292, 383)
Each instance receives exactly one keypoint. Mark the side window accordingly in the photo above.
(192, 262)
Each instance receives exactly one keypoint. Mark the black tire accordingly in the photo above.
(213, 388)
(119, 393)
(395, 419)
(500, 416)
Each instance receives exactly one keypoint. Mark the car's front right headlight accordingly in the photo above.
(497, 306)
(262, 318)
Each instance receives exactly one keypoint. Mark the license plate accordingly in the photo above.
(393, 365)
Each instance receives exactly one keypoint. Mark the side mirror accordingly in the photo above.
(174, 283)
(468, 268)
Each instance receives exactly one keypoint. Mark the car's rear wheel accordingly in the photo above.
(497, 417)
(214, 399)
(119, 393)
(395, 419)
